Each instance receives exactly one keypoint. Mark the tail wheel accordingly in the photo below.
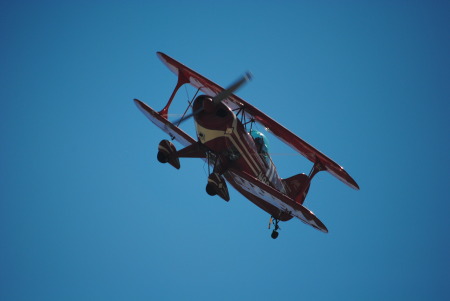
(274, 234)
(274, 221)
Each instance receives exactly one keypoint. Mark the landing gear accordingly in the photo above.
(167, 153)
(274, 234)
(274, 221)
(217, 186)
(162, 157)
(211, 189)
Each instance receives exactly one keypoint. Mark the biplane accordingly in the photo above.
(235, 152)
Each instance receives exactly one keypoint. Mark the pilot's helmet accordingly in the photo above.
(260, 141)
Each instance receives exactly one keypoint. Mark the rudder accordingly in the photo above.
(297, 187)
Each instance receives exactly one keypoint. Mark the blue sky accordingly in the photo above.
(87, 213)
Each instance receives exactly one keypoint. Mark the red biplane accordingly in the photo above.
(236, 152)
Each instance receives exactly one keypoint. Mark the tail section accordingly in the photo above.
(297, 187)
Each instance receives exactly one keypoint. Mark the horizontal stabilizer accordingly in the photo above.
(277, 199)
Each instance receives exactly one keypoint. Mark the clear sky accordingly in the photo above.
(87, 213)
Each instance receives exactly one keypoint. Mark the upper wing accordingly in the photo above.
(210, 88)
(165, 124)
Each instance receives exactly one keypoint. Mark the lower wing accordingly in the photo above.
(164, 124)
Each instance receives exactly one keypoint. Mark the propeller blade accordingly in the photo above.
(230, 90)
(186, 117)
(219, 97)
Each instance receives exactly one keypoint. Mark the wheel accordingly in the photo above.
(274, 234)
(162, 157)
(211, 189)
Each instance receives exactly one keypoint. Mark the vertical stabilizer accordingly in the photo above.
(297, 187)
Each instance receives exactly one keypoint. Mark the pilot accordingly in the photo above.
(260, 142)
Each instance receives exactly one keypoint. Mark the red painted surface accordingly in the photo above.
(298, 144)
(233, 153)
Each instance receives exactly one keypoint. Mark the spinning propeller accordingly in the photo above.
(219, 97)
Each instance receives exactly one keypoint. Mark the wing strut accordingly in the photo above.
(315, 169)
(189, 105)
(182, 79)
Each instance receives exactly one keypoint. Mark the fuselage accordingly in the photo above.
(223, 133)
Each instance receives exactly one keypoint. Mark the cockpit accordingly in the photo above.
(262, 145)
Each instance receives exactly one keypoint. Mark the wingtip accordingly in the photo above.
(347, 179)
(353, 184)
(321, 227)
(139, 104)
(161, 55)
